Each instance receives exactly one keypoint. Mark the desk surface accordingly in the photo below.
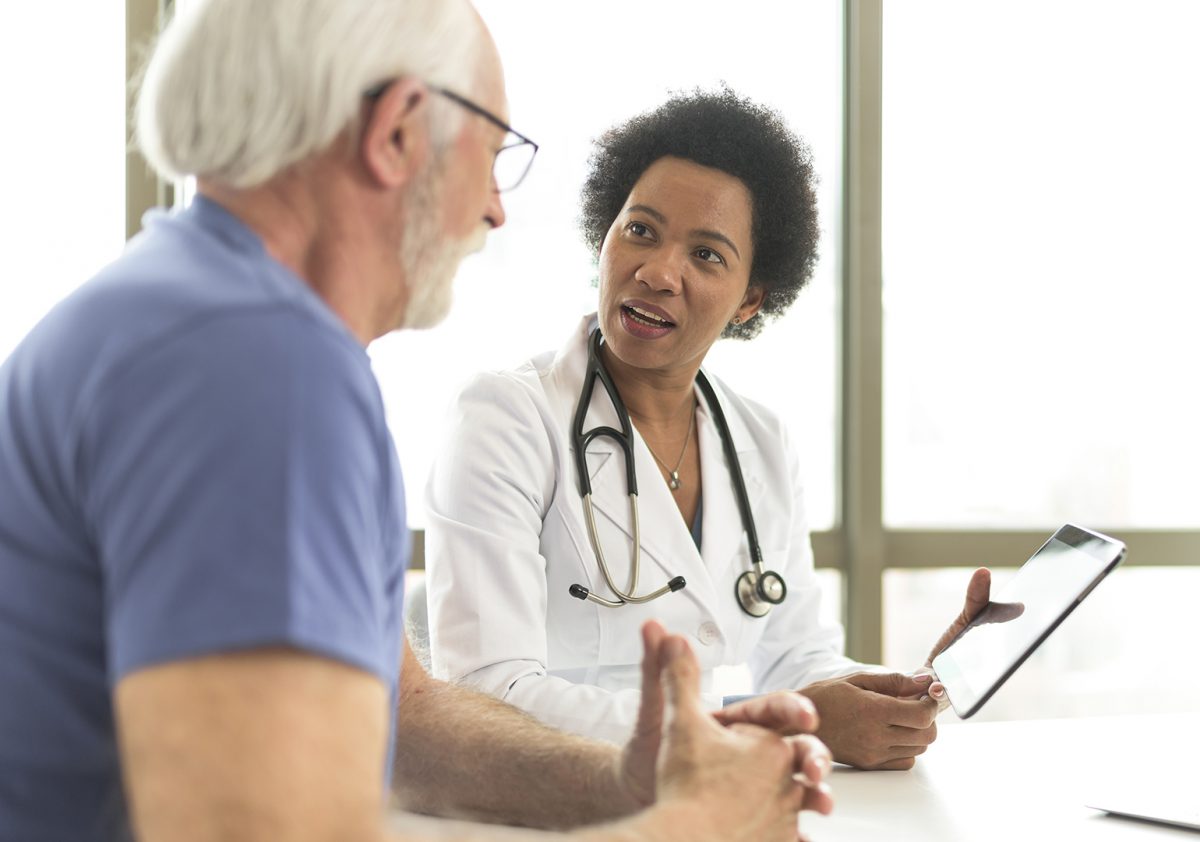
(1018, 780)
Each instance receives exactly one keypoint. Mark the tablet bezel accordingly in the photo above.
(1076, 537)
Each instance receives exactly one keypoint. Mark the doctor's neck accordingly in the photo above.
(660, 397)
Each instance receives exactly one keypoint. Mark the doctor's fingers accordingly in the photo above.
(899, 736)
(907, 713)
(979, 589)
(783, 712)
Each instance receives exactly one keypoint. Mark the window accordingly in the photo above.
(63, 168)
(526, 292)
(1040, 280)
(1011, 291)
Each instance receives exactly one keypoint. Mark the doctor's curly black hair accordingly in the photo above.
(744, 139)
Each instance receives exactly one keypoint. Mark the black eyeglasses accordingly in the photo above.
(515, 155)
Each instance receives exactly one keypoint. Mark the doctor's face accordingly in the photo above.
(675, 266)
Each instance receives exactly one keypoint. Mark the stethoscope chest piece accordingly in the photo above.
(757, 593)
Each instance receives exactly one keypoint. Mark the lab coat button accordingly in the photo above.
(708, 633)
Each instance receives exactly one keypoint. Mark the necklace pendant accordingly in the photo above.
(674, 481)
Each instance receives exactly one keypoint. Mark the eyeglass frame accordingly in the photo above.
(376, 91)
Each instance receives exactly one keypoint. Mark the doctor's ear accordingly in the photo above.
(752, 302)
(394, 143)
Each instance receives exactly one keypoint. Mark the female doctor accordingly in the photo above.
(548, 544)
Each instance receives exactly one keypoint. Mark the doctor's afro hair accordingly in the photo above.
(744, 139)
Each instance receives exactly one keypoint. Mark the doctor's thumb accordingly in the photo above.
(893, 683)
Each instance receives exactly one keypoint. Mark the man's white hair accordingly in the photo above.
(238, 90)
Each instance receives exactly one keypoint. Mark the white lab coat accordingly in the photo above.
(506, 538)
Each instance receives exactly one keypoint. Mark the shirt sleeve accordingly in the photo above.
(236, 486)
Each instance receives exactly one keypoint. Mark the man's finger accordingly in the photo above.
(650, 709)
(783, 712)
(818, 799)
(810, 758)
(681, 678)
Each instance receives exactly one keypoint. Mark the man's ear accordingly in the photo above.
(395, 141)
(752, 302)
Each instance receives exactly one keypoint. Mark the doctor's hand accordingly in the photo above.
(979, 590)
(705, 769)
(875, 721)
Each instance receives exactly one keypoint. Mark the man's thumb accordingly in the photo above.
(681, 677)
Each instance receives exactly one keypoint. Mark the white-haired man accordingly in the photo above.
(202, 534)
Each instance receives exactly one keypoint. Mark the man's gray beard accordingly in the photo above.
(430, 260)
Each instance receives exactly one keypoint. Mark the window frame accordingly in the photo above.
(860, 545)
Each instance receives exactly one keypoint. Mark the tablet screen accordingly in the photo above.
(1023, 613)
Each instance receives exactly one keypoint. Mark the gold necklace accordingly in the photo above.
(673, 481)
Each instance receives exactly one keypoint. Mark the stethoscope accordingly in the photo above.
(757, 589)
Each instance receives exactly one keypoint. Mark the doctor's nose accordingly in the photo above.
(661, 274)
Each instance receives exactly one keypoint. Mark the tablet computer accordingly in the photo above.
(1023, 613)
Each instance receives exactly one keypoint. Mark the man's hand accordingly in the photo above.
(875, 721)
(703, 768)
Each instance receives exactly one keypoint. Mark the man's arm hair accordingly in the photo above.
(465, 755)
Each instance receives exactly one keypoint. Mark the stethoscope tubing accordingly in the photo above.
(760, 602)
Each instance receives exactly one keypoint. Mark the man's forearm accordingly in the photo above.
(465, 755)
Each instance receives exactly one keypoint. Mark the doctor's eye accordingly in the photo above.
(708, 255)
(640, 229)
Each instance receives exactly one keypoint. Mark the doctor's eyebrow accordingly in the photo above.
(695, 232)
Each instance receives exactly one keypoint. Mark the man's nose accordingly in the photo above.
(494, 214)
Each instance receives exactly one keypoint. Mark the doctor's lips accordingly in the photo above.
(647, 314)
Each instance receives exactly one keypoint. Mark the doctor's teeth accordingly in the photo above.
(649, 318)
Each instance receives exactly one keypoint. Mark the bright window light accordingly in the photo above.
(1041, 286)
(62, 212)
(573, 70)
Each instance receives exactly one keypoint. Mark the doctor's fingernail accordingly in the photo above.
(923, 699)
(922, 678)
(937, 692)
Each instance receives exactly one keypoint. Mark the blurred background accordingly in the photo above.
(1000, 336)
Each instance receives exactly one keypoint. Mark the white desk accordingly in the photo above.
(1016, 780)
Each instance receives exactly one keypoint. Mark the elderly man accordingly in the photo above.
(202, 529)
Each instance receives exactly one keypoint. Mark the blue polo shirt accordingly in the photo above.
(193, 459)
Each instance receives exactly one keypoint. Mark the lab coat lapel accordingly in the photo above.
(724, 540)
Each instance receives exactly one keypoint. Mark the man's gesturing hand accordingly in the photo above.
(737, 782)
